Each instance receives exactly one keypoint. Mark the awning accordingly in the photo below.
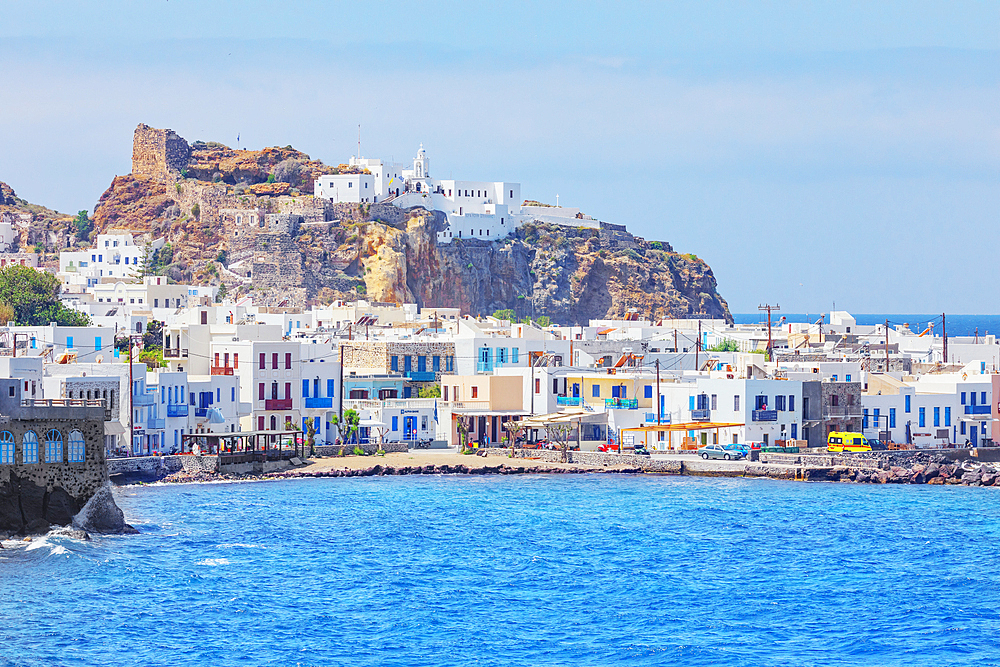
(371, 423)
(113, 428)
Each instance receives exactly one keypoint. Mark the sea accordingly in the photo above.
(517, 570)
(957, 325)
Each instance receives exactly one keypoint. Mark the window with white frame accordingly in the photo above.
(53, 446)
(77, 447)
(29, 447)
(6, 448)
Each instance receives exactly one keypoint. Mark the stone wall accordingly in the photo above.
(158, 154)
(334, 450)
(162, 465)
(36, 495)
(598, 459)
(378, 355)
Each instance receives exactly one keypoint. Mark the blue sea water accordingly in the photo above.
(526, 570)
(958, 325)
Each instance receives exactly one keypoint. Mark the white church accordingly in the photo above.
(487, 210)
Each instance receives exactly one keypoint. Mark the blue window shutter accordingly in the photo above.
(963, 398)
(514, 352)
(305, 389)
(97, 343)
(906, 404)
(691, 402)
(649, 391)
(947, 415)
(69, 341)
(394, 363)
(595, 391)
(232, 394)
(892, 417)
(395, 423)
(329, 388)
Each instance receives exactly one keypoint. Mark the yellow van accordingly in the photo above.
(847, 441)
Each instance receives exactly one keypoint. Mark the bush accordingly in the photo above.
(288, 171)
(656, 245)
(195, 211)
(358, 451)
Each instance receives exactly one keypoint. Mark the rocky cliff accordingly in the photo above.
(230, 218)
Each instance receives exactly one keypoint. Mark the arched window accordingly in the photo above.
(274, 423)
(6, 447)
(77, 447)
(53, 446)
(29, 447)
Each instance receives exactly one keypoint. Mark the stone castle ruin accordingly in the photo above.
(159, 155)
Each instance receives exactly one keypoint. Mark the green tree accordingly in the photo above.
(430, 391)
(506, 314)
(152, 339)
(544, 321)
(221, 294)
(83, 226)
(725, 345)
(33, 298)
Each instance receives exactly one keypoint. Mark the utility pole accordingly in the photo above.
(131, 391)
(675, 340)
(340, 407)
(886, 348)
(697, 348)
(657, 392)
(944, 336)
(769, 308)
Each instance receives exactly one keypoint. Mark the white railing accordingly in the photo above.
(464, 405)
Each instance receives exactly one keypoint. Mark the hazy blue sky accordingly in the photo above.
(810, 152)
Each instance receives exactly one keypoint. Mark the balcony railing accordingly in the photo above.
(142, 399)
(978, 409)
(420, 376)
(841, 411)
(572, 401)
(201, 412)
(484, 366)
(177, 410)
(154, 424)
(319, 402)
(765, 415)
(222, 370)
(703, 415)
(278, 404)
(622, 403)
(175, 353)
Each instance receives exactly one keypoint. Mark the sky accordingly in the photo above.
(811, 153)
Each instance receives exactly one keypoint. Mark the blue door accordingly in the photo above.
(974, 433)
(409, 428)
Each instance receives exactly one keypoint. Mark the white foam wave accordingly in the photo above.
(214, 562)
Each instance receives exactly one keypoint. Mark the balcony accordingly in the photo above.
(705, 415)
(571, 401)
(278, 404)
(319, 402)
(978, 409)
(175, 353)
(142, 399)
(154, 424)
(178, 410)
(201, 412)
(765, 415)
(420, 376)
(222, 370)
(484, 366)
(622, 403)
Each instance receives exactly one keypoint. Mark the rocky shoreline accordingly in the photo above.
(877, 468)
(893, 468)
